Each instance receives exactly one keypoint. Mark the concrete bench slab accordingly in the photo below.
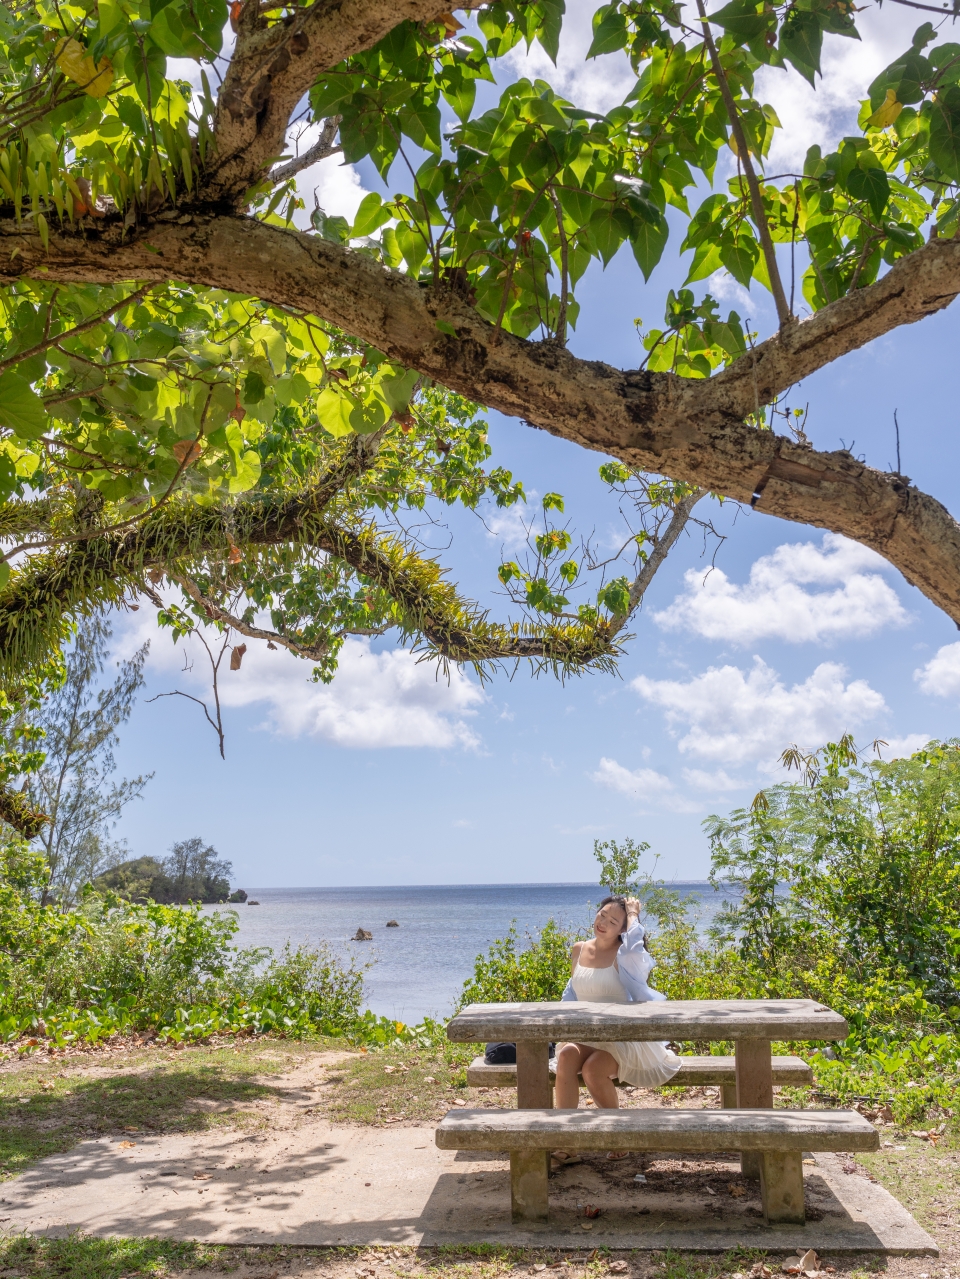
(778, 1137)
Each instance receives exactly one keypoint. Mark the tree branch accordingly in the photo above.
(311, 652)
(274, 65)
(321, 149)
(638, 588)
(743, 155)
(685, 428)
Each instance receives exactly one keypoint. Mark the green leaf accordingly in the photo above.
(801, 38)
(870, 184)
(273, 344)
(740, 257)
(21, 409)
(648, 242)
(945, 131)
(609, 33)
(371, 215)
(398, 388)
(446, 327)
(745, 20)
(333, 412)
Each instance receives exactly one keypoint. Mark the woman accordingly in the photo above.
(612, 969)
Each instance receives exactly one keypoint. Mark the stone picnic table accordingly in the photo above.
(751, 1023)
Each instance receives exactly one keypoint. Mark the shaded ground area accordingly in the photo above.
(262, 1123)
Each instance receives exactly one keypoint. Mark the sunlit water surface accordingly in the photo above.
(419, 968)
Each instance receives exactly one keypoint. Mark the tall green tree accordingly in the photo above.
(859, 862)
(74, 784)
(194, 392)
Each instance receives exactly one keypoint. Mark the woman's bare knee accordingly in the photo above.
(568, 1058)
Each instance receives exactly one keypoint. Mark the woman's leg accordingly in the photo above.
(599, 1071)
(570, 1059)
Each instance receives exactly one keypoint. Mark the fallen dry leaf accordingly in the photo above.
(810, 1263)
(126, 1145)
(618, 1267)
(591, 1211)
(737, 1190)
(201, 1176)
(586, 1225)
(760, 1271)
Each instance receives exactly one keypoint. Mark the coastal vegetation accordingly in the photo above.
(841, 886)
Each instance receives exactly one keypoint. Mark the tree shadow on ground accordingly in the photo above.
(155, 1101)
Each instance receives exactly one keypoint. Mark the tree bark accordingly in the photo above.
(684, 428)
(274, 66)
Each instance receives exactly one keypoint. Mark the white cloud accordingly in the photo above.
(597, 85)
(647, 785)
(774, 604)
(718, 781)
(376, 700)
(731, 716)
(828, 113)
(725, 288)
(941, 675)
(641, 781)
(513, 526)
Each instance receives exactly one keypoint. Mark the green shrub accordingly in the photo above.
(509, 974)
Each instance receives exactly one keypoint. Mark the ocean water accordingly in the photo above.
(418, 969)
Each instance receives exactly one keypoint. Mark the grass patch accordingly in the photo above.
(47, 1106)
(400, 1083)
(82, 1257)
(925, 1179)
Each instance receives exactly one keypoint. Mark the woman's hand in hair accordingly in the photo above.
(633, 909)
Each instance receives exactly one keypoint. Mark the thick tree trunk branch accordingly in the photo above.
(274, 66)
(687, 429)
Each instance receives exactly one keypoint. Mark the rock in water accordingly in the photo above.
(392, 923)
(253, 903)
(362, 935)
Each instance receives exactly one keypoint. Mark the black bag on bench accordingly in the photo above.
(505, 1054)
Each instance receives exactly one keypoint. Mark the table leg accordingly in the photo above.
(754, 1090)
(534, 1091)
(528, 1185)
(781, 1187)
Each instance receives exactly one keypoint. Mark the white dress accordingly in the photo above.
(642, 1062)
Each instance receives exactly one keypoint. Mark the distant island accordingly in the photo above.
(193, 872)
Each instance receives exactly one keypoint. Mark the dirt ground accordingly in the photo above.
(269, 1088)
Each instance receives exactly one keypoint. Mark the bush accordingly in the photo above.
(111, 966)
(506, 974)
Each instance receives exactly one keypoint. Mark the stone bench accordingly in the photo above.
(694, 1072)
(777, 1137)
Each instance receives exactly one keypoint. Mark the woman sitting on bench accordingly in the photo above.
(612, 968)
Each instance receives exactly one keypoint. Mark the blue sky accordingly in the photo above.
(394, 776)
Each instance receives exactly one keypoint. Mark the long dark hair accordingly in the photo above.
(618, 900)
